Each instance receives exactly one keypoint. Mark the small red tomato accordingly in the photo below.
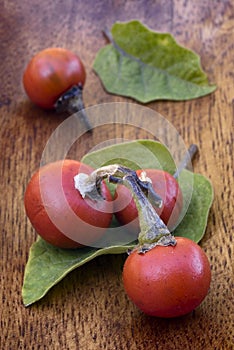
(58, 212)
(168, 281)
(165, 185)
(50, 73)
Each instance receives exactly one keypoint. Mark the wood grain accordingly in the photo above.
(89, 310)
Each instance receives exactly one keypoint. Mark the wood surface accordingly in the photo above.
(89, 310)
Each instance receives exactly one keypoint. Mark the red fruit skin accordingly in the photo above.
(50, 73)
(165, 185)
(168, 281)
(56, 209)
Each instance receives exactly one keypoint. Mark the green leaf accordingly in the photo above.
(194, 223)
(148, 66)
(47, 265)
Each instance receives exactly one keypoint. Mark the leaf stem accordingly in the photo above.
(109, 36)
(189, 156)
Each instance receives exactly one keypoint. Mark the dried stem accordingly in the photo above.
(72, 101)
(153, 231)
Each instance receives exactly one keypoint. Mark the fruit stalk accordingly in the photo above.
(72, 101)
(153, 231)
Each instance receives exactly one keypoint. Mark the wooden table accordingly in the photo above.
(89, 309)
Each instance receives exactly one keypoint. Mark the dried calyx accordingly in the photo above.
(153, 231)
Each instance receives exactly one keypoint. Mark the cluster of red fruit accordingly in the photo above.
(165, 281)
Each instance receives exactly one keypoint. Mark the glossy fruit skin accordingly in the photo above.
(50, 73)
(54, 206)
(168, 281)
(165, 185)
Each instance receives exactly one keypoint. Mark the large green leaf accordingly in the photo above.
(47, 265)
(147, 65)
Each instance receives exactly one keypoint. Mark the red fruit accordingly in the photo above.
(168, 281)
(164, 185)
(50, 74)
(58, 212)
